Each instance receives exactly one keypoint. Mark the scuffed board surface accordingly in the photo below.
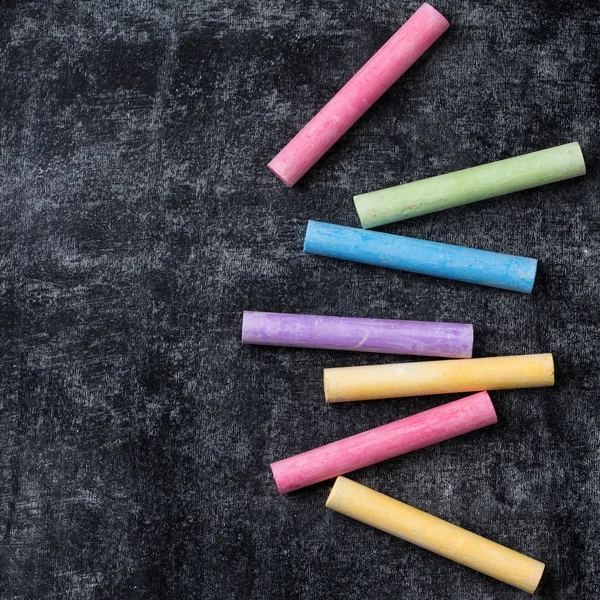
(139, 220)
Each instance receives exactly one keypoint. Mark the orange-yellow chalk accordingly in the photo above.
(345, 384)
(429, 532)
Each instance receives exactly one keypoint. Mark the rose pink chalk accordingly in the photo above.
(370, 447)
(359, 94)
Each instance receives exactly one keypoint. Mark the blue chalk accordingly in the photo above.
(505, 271)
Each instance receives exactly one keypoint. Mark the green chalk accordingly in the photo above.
(469, 185)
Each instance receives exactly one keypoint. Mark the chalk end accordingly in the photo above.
(532, 277)
(332, 500)
(491, 416)
(325, 386)
(244, 327)
(363, 223)
(551, 369)
(273, 168)
(471, 341)
(536, 578)
(281, 487)
(329, 399)
(583, 169)
(427, 6)
(252, 327)
(306, 246)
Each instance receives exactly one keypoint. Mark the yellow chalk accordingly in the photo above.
(346, 384)
(429, 532)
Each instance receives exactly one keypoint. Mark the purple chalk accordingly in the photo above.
(451, 340)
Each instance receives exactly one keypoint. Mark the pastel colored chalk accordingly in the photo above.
(347, 384)
(469, 185)
(515, 273)
(417, 527)
(359, 94)
(388, 441)
(452, 340)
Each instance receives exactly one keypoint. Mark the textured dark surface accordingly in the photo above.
(139, 220)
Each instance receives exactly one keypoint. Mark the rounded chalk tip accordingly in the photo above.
(272, 166)
(491, 416)
(363, 222)
(536, 577)
(550, 367)
(310, 229)
(579, 151)
(432, 9)
(328, 397)
(246, 315)
(523, 277)
(333, 499)
(470, 340)
(533, 276)
(279, 479)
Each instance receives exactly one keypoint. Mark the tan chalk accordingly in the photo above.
(345, 384)
(429, 532)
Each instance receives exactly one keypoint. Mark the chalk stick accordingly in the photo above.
(469, 185)
(347, 384)
(452, 340)
(504, 271)
(396, 438)
(359, 94)
(417, 527)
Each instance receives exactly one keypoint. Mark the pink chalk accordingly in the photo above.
(359, 94)
(370, 447)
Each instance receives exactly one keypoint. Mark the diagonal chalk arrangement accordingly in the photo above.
(440, 340)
